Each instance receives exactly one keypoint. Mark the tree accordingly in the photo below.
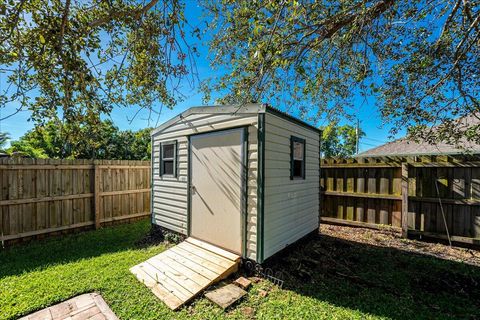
(73, 61)
(4, 137)
(47, 141)
(339, 141)
(419, 59)
(135, 145)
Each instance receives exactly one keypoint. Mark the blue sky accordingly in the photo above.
(370, 120)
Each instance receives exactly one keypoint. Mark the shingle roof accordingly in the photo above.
(406, 147)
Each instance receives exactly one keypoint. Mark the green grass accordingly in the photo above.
(326, 278)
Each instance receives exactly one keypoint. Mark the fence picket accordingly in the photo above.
(402, 192)
(40, 196)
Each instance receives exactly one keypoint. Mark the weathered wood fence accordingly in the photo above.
(426, 195)
(40, 196)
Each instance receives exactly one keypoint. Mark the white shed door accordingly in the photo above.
(216, 188)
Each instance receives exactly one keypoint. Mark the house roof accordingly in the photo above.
(406, 147)
(233, 109)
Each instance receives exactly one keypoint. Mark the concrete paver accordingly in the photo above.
(83, 307)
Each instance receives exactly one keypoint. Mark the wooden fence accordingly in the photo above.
(430, 195)
(40, 196)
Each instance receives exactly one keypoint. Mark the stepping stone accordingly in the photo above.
(225, 296)
(85, 306)
(243, 283)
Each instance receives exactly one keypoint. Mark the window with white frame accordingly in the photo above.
(168, 158)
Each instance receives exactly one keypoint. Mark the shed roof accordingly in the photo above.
(252, 108)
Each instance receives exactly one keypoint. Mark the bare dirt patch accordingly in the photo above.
(392, 238)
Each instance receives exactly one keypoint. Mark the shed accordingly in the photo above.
(243, 178)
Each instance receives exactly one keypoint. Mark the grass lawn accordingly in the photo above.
(326, 278)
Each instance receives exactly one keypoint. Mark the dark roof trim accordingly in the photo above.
(289, 117)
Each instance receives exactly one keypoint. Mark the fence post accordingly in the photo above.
(404, 200)
(98, 184)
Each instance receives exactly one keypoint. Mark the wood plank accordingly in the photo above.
(27, 182)
(131, 197)
(191, 264)
(107, 186)
(157, 289)
(360, 210)
(469, 202)
(43, 166)
(405, 183)
(89, 203)
(340, 208)
(473, 241)
(342, 222)
(361, 165)
(13, 194)
(114, 193)
(47, 230)
(189, 272)
(384, 212)
(205, 254)
(475, 184)
(97, 211)
(350, 208)
(475, 220)
(40, 192)
(463, 164)
(362, 195)
(372, 180)
(176, 275)
(126, 216)
(224, 253)
(201, 261)
(139, 185)
(159, 276)
(115, 197)
(371, 211)
(46, 199)
(108, 166)
(458, 187)
(180, 273)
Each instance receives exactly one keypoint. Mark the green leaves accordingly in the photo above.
(339, 140)
(101, 141)
(74, 64)
(419, 63)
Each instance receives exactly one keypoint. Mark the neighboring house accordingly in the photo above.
(244, 178)
(405, 147)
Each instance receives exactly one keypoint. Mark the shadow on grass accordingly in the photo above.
(69, 248)
(380, 281)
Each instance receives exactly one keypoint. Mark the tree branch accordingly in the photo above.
(136, 14)
(371, 14)
(64, 21)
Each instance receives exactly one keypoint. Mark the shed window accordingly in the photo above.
(168, 158)
(297, 158)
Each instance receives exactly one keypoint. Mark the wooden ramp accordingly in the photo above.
(180, 273)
